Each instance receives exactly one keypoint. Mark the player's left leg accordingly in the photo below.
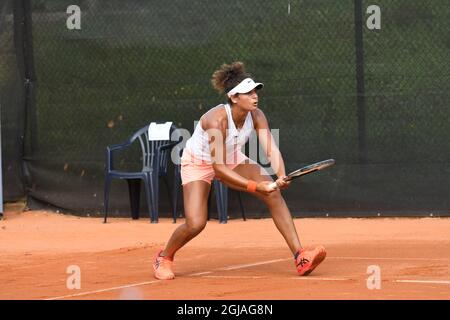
(275, 202)
(305, 260)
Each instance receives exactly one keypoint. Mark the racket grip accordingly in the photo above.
(273, 185)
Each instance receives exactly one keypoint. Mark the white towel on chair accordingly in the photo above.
(159, 131)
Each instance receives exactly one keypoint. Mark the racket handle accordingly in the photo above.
(273, 185)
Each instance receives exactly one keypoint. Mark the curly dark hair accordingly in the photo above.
(228, 76)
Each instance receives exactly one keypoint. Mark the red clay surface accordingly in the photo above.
(238, 260)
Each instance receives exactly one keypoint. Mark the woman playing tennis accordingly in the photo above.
(214, 151)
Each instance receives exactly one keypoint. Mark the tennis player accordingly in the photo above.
(214, 151)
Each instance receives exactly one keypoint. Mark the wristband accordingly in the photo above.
(251, 186)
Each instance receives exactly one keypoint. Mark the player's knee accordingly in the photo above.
(195, 227)
(273, 197)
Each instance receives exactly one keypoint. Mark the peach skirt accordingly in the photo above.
(193, 169)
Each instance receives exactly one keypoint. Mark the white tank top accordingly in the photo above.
(198, 144)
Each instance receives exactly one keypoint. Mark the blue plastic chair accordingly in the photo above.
(221, 191)
(155, 155)
(176, 188)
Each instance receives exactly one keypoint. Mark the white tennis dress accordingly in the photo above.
(198, 144)
(196, 162)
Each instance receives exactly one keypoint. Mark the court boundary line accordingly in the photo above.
(248, 265)
(424, 281)
(266, 277)
(243, 266)
(103, 290)
(234, 277)
(235, 267)
(390, 258)
(321, 279)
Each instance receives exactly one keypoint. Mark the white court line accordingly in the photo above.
(424, 281)
(235, 277)
(320, 279)
(103, 290)
(242, 266)
(199, 274)
(150, 282)
(264, 277)
(375, 258)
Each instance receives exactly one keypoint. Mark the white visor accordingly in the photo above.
(245, 86)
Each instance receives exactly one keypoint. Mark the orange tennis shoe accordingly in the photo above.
(307, 260)
(162, 267)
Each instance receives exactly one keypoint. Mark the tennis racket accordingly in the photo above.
(306, 170)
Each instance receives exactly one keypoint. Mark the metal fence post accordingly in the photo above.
(360, 89)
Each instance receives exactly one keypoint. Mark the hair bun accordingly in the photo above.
(228, 76)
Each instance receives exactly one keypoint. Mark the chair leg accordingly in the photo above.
(221, 199)
(176, 191)
(209, 204)
(134, 190)
(156, 200)
(224, 203)
(166, 182)
(241, 205)
(154, 183)
(148, 195)
(218, 194)
(106, 196)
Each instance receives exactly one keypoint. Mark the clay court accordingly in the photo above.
(99, 98)
(237, 260)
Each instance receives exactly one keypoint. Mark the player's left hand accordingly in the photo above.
(282, 183)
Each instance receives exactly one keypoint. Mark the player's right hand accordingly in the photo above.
(264, 187)
(282, 182)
